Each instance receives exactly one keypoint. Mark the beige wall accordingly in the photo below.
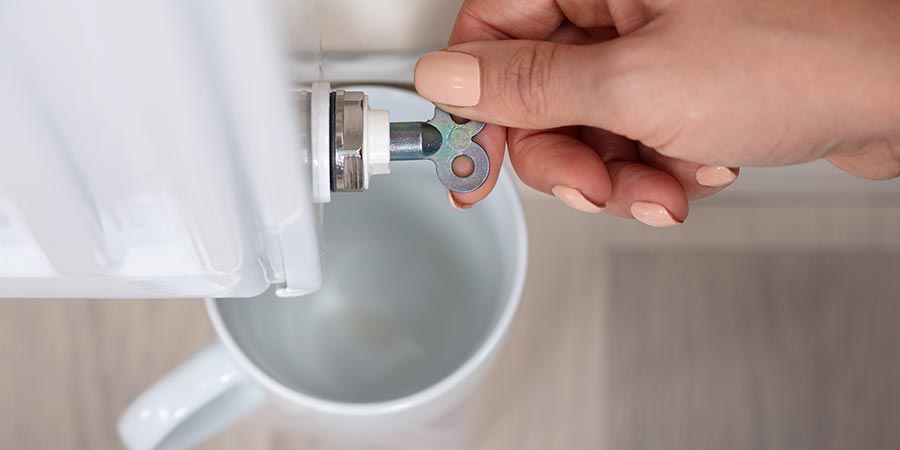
(373, 25)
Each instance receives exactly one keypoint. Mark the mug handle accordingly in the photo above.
(192, 402)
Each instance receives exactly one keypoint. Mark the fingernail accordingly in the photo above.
(450, 78)
(575, 199)
(457, 205)
(653, 214)
(715, 176)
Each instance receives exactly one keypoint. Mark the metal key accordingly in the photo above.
(442, 140)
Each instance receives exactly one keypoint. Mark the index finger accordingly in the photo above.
(489, 20)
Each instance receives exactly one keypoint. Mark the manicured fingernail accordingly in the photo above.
(450, 78)
(715, 176)
(653, 214)
(457, 205)
(575, 199)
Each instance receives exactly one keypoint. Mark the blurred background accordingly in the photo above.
(769, 320)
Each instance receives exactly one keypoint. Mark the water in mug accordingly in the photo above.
(410, 293)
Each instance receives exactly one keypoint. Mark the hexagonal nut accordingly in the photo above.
(349, 169)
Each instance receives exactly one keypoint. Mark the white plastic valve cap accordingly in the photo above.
(378, 141)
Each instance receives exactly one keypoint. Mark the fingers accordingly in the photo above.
(557, 163)
(639, 190)
(538, 85)
(521, 73)
(697, 180)
(493, 139)
(647, 194)
(483, 20)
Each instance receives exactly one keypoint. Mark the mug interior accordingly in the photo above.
(412, 290)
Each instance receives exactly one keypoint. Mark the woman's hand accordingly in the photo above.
(639, 106)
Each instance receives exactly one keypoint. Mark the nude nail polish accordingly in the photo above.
(573, 198)
(457, 205)
(653, 214)
(449, 78)
(715, 176)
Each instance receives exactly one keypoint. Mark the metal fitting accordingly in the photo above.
(348, 167)
(363, 142)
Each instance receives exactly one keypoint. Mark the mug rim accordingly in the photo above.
(506, 188)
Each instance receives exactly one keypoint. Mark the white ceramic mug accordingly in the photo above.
(416, 301)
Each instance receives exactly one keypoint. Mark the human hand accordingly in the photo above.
(642, 105)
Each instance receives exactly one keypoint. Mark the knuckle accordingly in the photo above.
(528, 79)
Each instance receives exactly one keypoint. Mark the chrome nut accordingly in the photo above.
(348, 168)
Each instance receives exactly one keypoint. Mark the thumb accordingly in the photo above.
(525, 84)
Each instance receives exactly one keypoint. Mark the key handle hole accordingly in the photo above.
(463, 166)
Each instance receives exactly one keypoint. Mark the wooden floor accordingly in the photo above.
(756, 325)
